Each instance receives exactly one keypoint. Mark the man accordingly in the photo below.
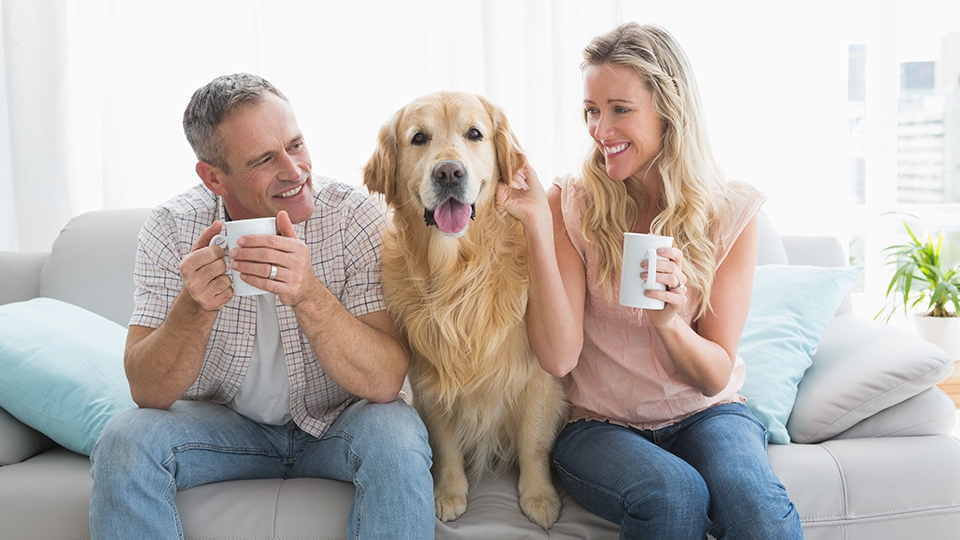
(300, 382)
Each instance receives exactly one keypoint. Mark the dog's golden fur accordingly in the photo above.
(459, 297)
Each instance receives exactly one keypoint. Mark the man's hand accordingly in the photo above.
(257, 254)
(362, 354)
(204, 272)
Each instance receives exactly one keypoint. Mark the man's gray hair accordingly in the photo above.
(212, 103)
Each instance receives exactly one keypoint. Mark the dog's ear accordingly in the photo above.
(380, 171)
(510, 154)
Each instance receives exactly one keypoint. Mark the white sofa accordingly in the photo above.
(888, 470)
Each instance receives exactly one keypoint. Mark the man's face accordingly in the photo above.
(268, 161)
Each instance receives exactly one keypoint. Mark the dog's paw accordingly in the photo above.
(450, 506)
(542, 508)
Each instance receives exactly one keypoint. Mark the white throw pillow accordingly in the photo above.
(862, 367)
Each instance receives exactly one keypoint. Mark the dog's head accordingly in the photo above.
(443, 154)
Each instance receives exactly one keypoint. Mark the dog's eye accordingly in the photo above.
(474, 134)
(419, 139)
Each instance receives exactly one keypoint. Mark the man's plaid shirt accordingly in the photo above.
(344, 236)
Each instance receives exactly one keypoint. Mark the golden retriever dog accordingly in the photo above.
(455, 280)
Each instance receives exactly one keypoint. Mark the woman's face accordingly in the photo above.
(621, 120)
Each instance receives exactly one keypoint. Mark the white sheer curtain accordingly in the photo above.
(93, 90)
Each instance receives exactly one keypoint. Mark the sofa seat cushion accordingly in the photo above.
(493, 512)
(46, 497)
(897, 487)
(272, 508)
(862, 367)
(317, 508)
(57, 483)
(894, 487)
(62, 370)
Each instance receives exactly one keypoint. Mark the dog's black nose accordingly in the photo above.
(449, 173)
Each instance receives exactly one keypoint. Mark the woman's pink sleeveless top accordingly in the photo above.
(624, 374)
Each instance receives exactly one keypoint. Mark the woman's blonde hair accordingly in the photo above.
(692, 194)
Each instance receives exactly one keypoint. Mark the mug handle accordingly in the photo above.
(651, 268)
(222, 241)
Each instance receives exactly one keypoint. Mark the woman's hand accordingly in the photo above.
(705, 356)
(525, 199)
(670, 274)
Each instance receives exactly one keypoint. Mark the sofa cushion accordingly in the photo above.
(790, 308)
(930, 412)
(62, 370)
(19, 441)
(770, 247)
(861, 368)
(91, 263)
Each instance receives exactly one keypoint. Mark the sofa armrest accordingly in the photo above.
(861, 367)
(20, 275)
(19, 281)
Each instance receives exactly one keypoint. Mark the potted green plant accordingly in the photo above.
(919, 279)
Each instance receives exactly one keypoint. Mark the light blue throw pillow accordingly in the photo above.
(61, 370)
(790, 309)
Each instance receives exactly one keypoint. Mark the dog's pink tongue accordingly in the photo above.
(452, 216)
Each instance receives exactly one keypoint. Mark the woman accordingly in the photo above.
(658, 439)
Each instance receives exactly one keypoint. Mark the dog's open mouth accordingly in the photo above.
(451, 217)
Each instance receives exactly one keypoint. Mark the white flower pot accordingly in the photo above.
(943, 332)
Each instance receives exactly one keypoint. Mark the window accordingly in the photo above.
(844, 113)
(904, 134)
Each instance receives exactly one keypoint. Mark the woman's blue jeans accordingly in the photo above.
(708, 474)
(145, 455)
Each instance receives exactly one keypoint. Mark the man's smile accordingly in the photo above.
(291, 192)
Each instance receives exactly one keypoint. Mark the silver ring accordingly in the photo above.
(273, 272)
(680, 287)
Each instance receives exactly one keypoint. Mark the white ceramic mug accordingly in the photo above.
(636, 248)
(232, 231)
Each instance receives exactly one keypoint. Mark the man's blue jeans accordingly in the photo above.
(706, 474)
(145, 455)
